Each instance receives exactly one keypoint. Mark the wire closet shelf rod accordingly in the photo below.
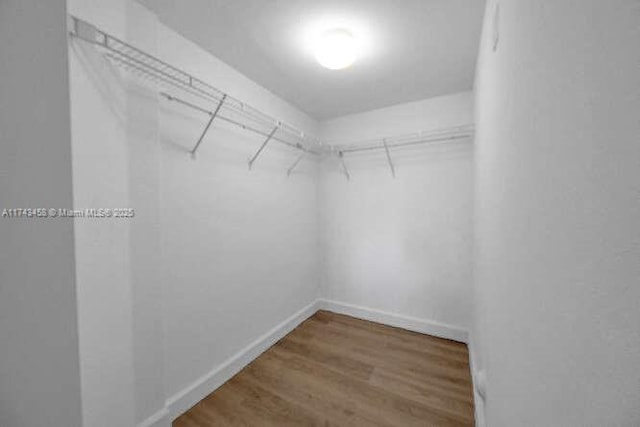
(228, 108)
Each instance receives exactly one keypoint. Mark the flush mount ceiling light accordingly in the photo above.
(336, 49)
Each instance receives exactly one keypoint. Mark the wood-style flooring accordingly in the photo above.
(334, 370)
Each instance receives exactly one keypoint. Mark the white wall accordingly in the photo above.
(401, 245)
(39, 362)
(427, 114)
(240, 247)
(116, 163)
(216, 255)
(558, 202)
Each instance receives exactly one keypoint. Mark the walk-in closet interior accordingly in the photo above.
(319, 213)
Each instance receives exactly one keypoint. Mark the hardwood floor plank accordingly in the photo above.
(434, 396)
(311, 396)
(334, 370)
(267, 408)
(336, 360)
(377, 353)
(382, 404)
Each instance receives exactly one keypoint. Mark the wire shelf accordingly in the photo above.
(232, 110)
(397, 141)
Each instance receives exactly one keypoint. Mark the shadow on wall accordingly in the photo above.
(105, 77)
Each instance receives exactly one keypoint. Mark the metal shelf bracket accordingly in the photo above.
(206, 128)
(298, 160)
(264, 144)
(386, 149)
(344, 166)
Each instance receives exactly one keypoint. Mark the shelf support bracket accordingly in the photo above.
(298, 160)
(206, 128)
(264, 144)
(344, 166)
(386, 149)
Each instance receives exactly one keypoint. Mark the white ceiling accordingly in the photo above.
(416, 48)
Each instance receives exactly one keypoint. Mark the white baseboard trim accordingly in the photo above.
(478, 399)
(415, 324)
(205, 385)
(159, 419)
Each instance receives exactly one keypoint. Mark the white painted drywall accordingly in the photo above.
(401, 245)
(558, 208)
(116, 163)
(216, 255)
(39, 362)
(240, 248)
(427, 114)
(143, 112)
(103, 261)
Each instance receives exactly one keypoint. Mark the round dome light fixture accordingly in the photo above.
(336, 49)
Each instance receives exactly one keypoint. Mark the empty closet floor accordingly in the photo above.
(334, 370)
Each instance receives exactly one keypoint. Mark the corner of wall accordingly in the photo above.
(423, 326)
(478, 382)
